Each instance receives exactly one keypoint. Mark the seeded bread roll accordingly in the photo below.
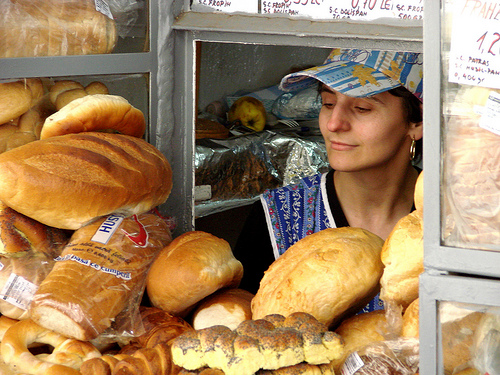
(67, 181)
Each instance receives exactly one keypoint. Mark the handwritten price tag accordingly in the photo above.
(228, 6)
(475, 43)
(354, 9)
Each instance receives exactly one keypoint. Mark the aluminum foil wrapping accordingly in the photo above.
(236, 170)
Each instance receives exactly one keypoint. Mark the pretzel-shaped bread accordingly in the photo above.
(65, 359)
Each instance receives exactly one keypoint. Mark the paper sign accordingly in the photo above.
(227, 6)
(353, 9)
(475, 43)
(491, 114)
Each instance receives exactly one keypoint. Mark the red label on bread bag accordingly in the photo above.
(140, 239)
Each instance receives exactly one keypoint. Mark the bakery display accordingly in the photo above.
(326, 274)
(88, 169)
(195, 265)
(228, 307)
(269, 343)
(108, 259)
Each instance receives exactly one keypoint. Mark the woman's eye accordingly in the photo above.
(362, 109)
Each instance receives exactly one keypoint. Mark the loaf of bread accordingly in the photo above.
(87, 113)
(102, 268)
(359, 331)
(327, 274)
(269, 343)
(18, 97)
(54, 27)
(68, 181)
(403, 259)
(410, 324)
(65, 91)
(228, 307)
(195, 265)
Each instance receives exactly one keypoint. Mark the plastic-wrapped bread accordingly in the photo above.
(102, 268)
(55, 27)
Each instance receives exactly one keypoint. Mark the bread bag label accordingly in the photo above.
(18, 291)
(103, 7)
(107, 228)
(491, 113)
(352, 364)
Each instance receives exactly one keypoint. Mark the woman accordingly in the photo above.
(371, 121)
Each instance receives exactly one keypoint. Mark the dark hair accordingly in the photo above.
(414, 113)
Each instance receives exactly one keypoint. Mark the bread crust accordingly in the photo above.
(193, 266)
(324, 274)
(68, 181)
(87, 113)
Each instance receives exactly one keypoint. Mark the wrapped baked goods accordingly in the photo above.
(403, 259)
(328, 274)
(195, 265)
(472, 170)
(68, 181)
(55, 27)
(269, 343)
(228, 307)
(101, 270)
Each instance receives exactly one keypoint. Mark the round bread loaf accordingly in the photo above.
(228, 307)
(403, 258)
(411, 321)
(327, 274)
(192, 267)
(67, 181)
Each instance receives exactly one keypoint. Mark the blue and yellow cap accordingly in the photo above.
(361, 72)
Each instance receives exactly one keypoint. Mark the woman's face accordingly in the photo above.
(363, 133)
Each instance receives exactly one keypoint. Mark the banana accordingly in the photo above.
(248, 112)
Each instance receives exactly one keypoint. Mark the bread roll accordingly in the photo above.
(359, 331)
(15, 99)
(228, 307)
(193, 266)
(403, 258)
(67, 181)
(410, 327)
(325, 274)
(89, 113)
(101, 270)
(54, 27)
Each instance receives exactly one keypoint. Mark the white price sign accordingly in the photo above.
(475, 43)
(227, 6)
(354, 9)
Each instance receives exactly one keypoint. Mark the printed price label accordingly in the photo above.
(228, 6)
(352, 364)
(475, 44)
(491, 114)
(18, 291)
(354, 9)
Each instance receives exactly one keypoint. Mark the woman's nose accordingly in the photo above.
(337, 119)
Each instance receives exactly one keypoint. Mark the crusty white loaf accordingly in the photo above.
(325, 274)
(193, 266)
(67, 181)
(403, 258)
(228, 307)
(102, 268)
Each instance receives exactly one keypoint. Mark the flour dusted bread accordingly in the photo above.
(99, 112)
(326, 274)
(67, 181)
(193, 266)
(97, 274)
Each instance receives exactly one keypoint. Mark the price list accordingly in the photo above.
(475, 43)
(353, 9)
(228, 6)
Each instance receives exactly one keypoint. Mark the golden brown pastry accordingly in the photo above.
(326, 274)
(68, 181)
(195, 265)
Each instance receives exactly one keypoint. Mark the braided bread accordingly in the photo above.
(66, 358)
(269, 343)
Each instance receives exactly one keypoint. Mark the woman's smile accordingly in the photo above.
(341, 146)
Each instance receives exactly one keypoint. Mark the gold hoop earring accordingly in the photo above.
(413, 148)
